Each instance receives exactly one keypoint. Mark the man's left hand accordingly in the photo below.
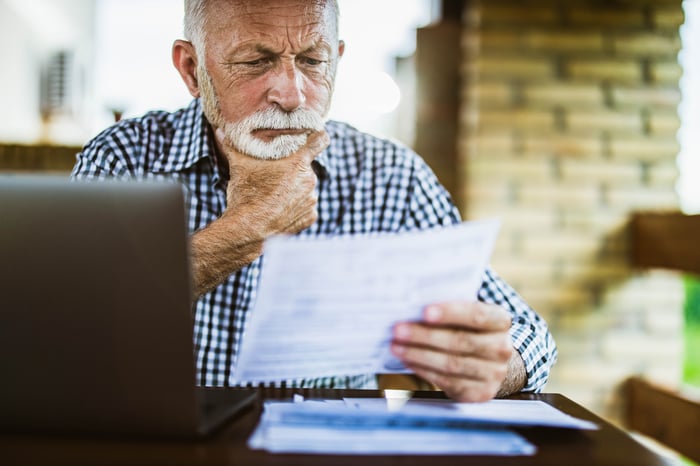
(463, 348)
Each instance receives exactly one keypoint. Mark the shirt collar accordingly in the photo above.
(321, 164)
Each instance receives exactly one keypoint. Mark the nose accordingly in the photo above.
(286, 87)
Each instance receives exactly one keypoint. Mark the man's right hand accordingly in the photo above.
(274, 196)
(264, 197)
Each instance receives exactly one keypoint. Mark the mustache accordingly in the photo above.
(275, 118)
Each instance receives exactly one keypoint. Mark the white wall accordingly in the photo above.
(133, 66)
(31, 30)
(19, 80)
(689, 110)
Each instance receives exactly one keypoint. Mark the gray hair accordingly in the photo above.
(196, 19)
(195, 23)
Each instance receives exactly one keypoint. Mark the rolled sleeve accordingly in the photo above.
(529, 332)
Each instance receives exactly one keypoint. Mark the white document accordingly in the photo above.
(350, 428)
(326, 306)
(418, 427)
(338, 440)
(490, 413)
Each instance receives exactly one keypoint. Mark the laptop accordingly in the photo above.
(96, 324)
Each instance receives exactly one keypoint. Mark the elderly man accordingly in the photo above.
(257, 157)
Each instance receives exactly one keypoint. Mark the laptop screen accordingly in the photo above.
(96, 323)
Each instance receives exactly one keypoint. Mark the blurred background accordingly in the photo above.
(574, 121)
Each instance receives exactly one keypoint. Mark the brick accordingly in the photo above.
(515, 14)
(513, 247)
(517, 218)
(664, 173)
(589, 369)
(503, 254)
(655, 97)
(469, 116)
(575, 344)
(497, 191)
(600, 170)
(561, 145)
(548, 297)
(586, 322)
(665, 72)
(595, 271)
(668, 17)
(555, 195)
(513, 271)
(646, 44)
(565, 41)
(664, 123)
(644, 149)
(613, 70)
(520, 119)
(563, 94)
(561, 242)
(491, 94)
(487, 143)
(643, 198)
(485, 169)
(490, 40)
(530, 247)
(603, 16)
(594, 221)
(604, 120)
(509, 68)
(580, 323)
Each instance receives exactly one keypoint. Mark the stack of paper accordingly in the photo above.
(430, 427)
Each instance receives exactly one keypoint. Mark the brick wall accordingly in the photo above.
(568, 125)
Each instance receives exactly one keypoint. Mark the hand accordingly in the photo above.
(264, 197)
(463, 348)
(273, 196)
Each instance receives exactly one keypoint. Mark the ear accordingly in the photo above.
(341, 48)
(185, 60)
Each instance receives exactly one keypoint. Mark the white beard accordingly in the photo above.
(280, 147)
(240, 134)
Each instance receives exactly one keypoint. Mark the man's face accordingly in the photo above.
(268, 71)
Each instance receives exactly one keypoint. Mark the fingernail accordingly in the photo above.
(402, 331)
(433, 314)
(398, 349)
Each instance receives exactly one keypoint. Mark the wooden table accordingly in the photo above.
(560, 447)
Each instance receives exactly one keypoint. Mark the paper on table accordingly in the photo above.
(493, 412)
(427, 441)
(333, 428)
(326, 306)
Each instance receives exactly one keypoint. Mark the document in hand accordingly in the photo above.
(369, 426)
(326, 305)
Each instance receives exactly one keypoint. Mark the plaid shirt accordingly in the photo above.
(365, 185)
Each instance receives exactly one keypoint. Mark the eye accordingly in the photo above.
(310, 61)
(255, 63)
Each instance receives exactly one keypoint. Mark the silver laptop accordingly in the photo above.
(95, 312)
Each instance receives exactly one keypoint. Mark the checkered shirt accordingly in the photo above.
(366, 184)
